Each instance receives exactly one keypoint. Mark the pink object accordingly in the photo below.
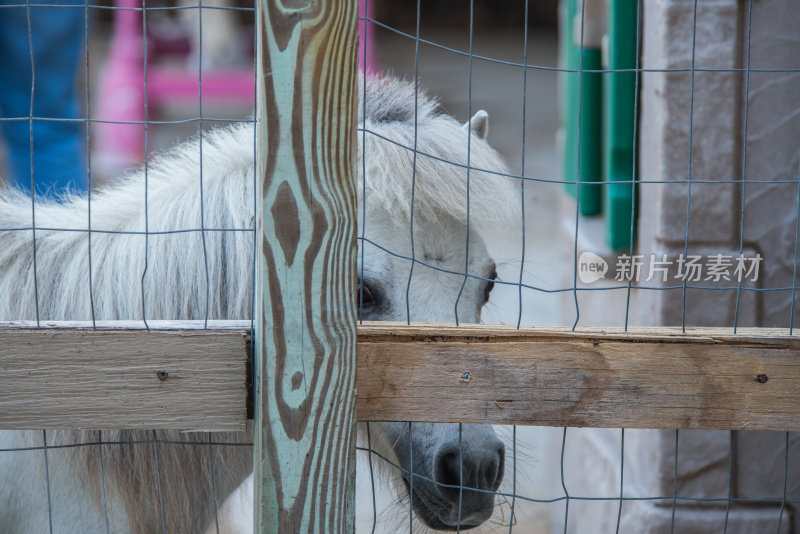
(366, 8)
(165, 84)
(119, 134)
(121, 95)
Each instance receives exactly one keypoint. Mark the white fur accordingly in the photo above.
(175, 282)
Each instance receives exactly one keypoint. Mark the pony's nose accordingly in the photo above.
(479, 465)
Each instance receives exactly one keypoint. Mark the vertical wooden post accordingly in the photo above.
(305, 274)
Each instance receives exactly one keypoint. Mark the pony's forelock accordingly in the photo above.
(452, 175)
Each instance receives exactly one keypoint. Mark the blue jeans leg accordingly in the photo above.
(58, 161)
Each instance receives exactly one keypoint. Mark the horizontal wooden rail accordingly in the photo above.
(67, 375)
(178, 375)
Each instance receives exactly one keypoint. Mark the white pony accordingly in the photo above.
(173, 481)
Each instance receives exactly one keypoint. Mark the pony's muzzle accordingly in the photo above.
(467, 477)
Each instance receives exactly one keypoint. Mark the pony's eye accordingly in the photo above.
(365, 297)
(489, 286)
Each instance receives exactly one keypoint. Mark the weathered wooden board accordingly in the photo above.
(55, 378)
(647, 378)
(305, 366)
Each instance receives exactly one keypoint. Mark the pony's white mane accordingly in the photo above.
(175, 261)
(176, 255)
(400, 118)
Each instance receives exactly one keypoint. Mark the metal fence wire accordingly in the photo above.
(676, 205)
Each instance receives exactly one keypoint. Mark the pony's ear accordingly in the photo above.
(479, 124)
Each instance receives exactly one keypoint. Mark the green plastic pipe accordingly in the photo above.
(619, 114)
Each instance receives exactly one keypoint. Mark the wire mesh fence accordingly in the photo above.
(690, 220)
(657, 493)
(143, 84)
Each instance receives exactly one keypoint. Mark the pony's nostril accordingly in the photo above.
(491, 473)
(481, 470)
(448, 470)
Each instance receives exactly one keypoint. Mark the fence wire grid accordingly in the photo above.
(694, 193)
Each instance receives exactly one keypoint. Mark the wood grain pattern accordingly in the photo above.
(644, 378)
(601, 377)
(305, 273)
(109, 379)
